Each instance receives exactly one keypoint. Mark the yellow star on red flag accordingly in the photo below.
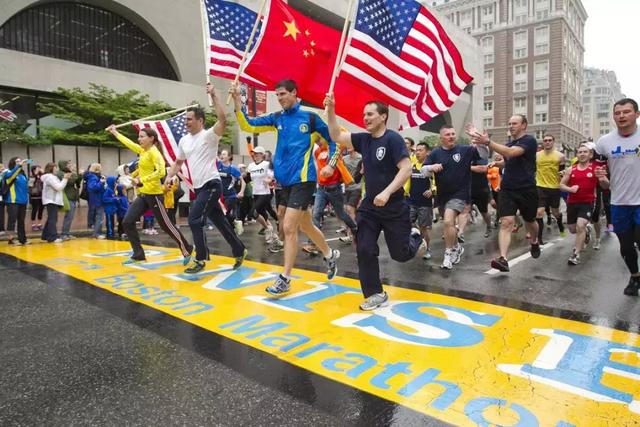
(292, 30)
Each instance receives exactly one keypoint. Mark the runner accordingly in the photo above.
(260, 174)
(200, 148)
(386, 168)
(151, 170)
(293, 168)
(451, 165)
(549, 164)
(518, 190)
(420, 196)
(230, 176)
(621, 150)
(353, 191)
(581, 183)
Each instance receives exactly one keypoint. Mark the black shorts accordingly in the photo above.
(481, 200)
(298, 196)
(279, 200)
(548, 197)
(579, 210)
(525, 201)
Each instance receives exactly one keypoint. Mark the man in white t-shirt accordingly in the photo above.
(261, 175)
(621, 150)
(200, 148)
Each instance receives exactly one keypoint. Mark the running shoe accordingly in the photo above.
(262, 231)
(563, 233)
(332, 263)
(186, 259)
(427, 254)
(130, 261)
(596, 244)
(58, 240)
(535, 250)
(574, 259)
(341, 230)
(276, 246)
(375, 301)
(280, 286)
(632, 286)
(460, 238)
(487, 232)
(195, 267)
(100, 237)
(587, 238)
(240, 259)
(447, 262)
(457, 253)
(500, 264)
(347, 240)
(237, 226)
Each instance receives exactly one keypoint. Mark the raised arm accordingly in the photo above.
(218, 128)
(482, 139)
(253, 125)
(124, 140)
(337, 134)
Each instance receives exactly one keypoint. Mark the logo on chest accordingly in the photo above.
(456, 157)
(304, 128)
(380, 152)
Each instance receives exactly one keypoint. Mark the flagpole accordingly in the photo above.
(205, 43)
(246, 50)
(154, 116)
(340, 54)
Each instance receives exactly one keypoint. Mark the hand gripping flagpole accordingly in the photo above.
(246, 50)
(340, 55)
(144, 119)
(205, 43)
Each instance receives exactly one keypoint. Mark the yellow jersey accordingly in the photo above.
(151, 166)
(548, 169)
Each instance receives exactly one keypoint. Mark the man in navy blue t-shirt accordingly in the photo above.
(451, 165)
(518, 191)
(230, 175)
(386, 168)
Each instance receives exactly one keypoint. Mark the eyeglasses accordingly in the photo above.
(547, 140)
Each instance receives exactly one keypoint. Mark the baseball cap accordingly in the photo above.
(590, 145)
(259, 149)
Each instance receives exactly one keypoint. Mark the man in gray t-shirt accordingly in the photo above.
(621, 151)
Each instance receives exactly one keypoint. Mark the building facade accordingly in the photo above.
(136, 44)
(533, 54)
(601, 91)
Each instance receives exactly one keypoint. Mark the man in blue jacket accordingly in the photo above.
(295, 170)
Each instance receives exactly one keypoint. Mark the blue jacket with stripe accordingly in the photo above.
(19, 190)
(296, 135)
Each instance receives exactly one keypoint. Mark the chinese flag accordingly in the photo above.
(296, 47)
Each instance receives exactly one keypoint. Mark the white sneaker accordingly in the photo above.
(209, 227)
(375, 301)
(457, 253)
(237, 226)
(427, 255)
(596, 244)
(101, 237)
(447, 263)
(58, 240)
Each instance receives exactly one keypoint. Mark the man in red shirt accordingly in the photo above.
(581, 183)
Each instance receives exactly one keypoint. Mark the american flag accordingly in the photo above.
(401, 53)
(169, 133)
(230, 27)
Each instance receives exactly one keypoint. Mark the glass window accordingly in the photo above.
(541, 75)
(541, 118)
(520, 41)
(542, 40)
(488, 106)
(520, 105)
(487, 123)
(488, 90)
(86, 34)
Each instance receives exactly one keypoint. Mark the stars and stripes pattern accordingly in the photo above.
(229, 27)
(169, 133)
(400, 52)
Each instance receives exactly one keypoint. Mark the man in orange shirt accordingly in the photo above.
(329, 188)
(493, 175)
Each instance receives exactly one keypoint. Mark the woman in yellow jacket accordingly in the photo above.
(151, 170)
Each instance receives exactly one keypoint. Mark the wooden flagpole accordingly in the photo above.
(246, 50)
(339, 56)
(154, 116)
(205, 43)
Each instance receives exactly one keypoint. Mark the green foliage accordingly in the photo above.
(98, 107)
(433, 141)
(13, 132)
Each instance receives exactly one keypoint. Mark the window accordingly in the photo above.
(540, 134)
(488, 106)
(542, 40)
(541, 118)
(465, 18)
(488, 76)
(487, 49)
(520, 105)
(541, 75)
(520, 78)
(542, 100)
(487, 123)
(520, 41)
(87, 34)
(488, 90)
(603, 115)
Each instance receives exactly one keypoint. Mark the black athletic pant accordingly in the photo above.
(231, 205)
(206, 205)
(49, 232)
(263, 206)
(2, 221)
(395, 221)
(154, 202)
(17, 214)
(36, 209)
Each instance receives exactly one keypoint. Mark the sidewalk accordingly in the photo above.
(78, 226)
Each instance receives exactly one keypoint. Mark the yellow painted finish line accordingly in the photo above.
(463, 362)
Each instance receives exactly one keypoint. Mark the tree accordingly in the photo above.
(95, 109)
(433, 141)
(13, 132)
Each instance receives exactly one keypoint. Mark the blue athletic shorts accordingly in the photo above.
(624, 217)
